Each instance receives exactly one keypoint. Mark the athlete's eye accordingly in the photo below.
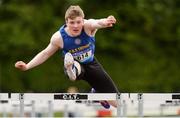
(71, 22)
(78, 22)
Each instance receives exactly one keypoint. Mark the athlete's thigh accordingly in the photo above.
(99, 79)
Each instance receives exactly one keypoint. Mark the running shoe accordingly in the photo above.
(104, 103)
(68, 64)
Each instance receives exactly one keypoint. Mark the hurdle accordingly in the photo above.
(21, 97)
(122, 99)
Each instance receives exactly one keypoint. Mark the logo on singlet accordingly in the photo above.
(77, 41)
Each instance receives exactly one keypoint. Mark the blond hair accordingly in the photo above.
(74, 11)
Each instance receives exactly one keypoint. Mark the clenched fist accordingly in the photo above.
(110, 20)
(21, 65)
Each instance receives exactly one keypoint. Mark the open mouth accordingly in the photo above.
(75, 30)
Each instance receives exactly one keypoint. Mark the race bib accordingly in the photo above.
(83, 56)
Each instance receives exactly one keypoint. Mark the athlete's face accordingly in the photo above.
(75, 25)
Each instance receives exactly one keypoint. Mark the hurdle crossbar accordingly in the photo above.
(86, 96)
(58, 96)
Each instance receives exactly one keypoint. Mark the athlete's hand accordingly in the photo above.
(21, 65)
(110, 21)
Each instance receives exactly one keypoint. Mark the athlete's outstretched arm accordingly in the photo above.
(54, 45)
(101, 23)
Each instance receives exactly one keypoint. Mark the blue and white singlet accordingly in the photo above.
(82, 47)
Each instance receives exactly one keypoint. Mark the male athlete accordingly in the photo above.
(76, 39)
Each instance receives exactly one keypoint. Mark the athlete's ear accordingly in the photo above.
(83, 22)
(66, 21)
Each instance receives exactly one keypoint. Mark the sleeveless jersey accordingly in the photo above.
(81, 47)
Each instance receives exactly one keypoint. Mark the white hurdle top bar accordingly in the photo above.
(57, 96)
(87, 96)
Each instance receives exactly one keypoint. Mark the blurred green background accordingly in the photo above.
(141, 52)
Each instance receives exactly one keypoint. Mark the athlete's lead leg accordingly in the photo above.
(73, 68)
